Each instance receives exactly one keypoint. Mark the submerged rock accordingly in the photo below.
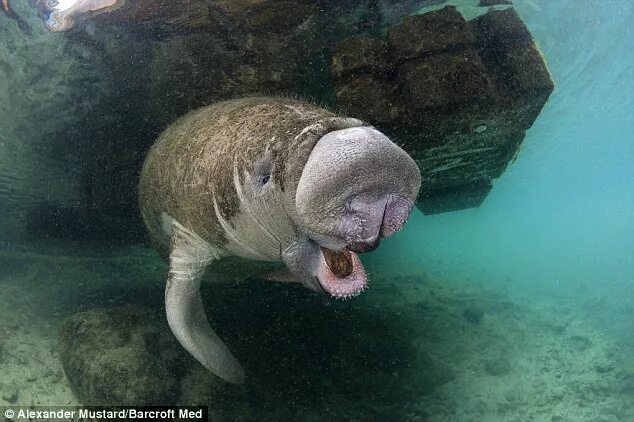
(119, 356)
(431, 32)
(458, 94)
(10, 394)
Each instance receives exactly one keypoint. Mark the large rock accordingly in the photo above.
(459, 95)
(432, 32)
(120, 356)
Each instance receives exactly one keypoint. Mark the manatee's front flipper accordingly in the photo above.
(189, 256)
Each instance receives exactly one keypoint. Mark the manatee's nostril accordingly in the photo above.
(396, 214)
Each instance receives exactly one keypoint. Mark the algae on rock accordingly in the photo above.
(459, 95)
(115, 356)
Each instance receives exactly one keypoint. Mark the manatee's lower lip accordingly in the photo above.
(341, 274)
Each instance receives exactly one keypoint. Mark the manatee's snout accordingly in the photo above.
(356, 188)
(396, 214)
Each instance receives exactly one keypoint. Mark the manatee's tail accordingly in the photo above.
(189, 257)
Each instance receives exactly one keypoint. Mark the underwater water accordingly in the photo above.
(559, 221)
(563, 209)
(520, 309)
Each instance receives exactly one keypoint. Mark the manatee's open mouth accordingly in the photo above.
(341, 274)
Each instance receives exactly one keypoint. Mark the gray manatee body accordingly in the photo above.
(268, 179)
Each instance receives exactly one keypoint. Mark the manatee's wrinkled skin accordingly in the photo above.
(269, 179)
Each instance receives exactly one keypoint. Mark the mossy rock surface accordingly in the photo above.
(119, 356)
(457, 94)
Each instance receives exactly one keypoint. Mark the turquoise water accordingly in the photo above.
(560, 219)
(519, 310)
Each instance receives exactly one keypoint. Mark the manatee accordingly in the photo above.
(268, 179)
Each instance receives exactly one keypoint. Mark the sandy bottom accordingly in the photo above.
(413, 347)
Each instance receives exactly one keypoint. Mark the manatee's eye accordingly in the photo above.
(264, 179)
(262, 172)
